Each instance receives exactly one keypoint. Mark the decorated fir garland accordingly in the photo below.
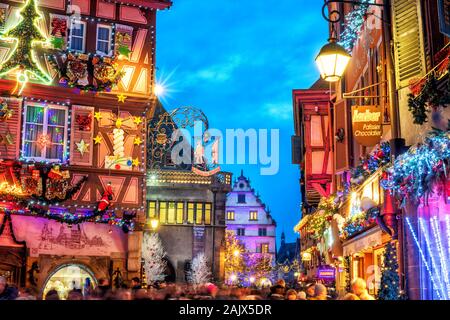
(425, 166)
(425, 95)
(87, 73)
(321, 219)
(73, 218)
(379, 157)
(359, 223)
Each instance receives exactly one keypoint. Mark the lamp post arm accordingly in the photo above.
(338, 14)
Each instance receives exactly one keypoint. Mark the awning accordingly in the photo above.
(366, 240)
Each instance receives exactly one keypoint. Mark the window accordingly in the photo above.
(162, 212)
(180, 212)
(171, 213)
(152, 209)
(264, 248)
(241, 198)
(103, 39)
(190, 218)
(207, 213)
(44, 133)
(262, 232)
(77, 35)
(230, 215)
(253, 215)
(240, 231)
(199, 213)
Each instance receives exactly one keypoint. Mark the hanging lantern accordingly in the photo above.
(332, 61)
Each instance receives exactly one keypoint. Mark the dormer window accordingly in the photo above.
(103, 39)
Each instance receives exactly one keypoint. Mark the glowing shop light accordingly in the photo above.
(442, 258)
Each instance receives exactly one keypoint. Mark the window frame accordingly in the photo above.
(109, 27)
(46, 107)
(250, 218)
(233, 214)
(263, 245)
(241, 195)
(76, 21)
(262, 232)
(241, 234)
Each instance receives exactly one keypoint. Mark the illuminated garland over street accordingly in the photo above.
(73, 218)
(425, 166)
(354, 21)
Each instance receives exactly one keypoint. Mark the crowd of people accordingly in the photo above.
(209, 291)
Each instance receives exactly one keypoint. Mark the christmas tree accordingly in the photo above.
(153, 255)
(389, 277)
(26, 34)
(235, 259)
(200, 272)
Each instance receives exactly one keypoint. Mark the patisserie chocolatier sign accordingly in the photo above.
(366, 124)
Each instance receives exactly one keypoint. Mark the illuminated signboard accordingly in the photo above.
(326, 273)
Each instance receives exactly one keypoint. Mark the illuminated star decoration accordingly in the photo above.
(97, 139)
(25, 34)
(97, 115)
(121, 98)
(82, 147)
(137, 141)
(136, 162)
(118, 123)
(137, 120)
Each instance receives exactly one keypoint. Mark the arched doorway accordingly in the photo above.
(68, 277)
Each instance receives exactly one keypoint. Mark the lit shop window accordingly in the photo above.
(253, 215)
(171, 213)
(163, 212)
(152, 209)
(44, 133)
(199, 213)
(207, 213)
(190, 218)
(180, 212)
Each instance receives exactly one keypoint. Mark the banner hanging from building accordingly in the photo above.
(366, 124)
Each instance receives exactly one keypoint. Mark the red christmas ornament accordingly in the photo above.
(117, 166)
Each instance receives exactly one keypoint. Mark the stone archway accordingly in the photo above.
(68, 276)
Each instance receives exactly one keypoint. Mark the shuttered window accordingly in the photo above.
(407, 26)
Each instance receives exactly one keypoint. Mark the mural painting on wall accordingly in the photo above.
(45, 236)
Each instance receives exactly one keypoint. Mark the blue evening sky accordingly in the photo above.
(238, 61)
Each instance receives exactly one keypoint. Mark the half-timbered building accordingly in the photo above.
(76, 90)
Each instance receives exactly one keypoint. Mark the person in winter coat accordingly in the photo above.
(7, 292)
(359, 288)
(320, 292)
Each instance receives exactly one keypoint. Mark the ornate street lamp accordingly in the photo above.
(333, 59)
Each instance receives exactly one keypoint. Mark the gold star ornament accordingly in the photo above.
(137, 120)
(97, 139)
(136, 162)
(97, 115)
(82, 147)
(137, 141)
(121, 98)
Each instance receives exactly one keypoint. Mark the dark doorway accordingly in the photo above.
(169, 272)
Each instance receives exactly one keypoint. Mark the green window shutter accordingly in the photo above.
(408, 39)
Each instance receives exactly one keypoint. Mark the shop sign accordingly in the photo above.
(326, 273)
(366, 123)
